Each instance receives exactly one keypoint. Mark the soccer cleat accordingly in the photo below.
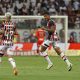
(70, 67)
(15, 71)
(49, 66)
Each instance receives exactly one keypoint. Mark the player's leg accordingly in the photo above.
(63, 56)
(38, 47)
(1, 52)
(1, 55)
(12, 61)
(39, 43)
(43, 53)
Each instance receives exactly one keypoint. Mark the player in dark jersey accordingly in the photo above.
(8, 30)
(52, 34)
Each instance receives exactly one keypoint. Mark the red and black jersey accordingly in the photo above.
(8, 29)
(52, 35)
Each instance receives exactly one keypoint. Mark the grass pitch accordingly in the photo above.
(34, 68)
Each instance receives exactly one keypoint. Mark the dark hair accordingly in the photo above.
(38, 26)
(45, 13)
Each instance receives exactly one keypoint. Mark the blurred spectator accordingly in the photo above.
(62, 5)
(1, 12)
(73, 37)
(76, 5)
(66, 2)
(52, 10)
(32, 36)
(24, 10)
(33, 3)
(19, 6)
(77, 23)
(26, 36)
(16, 38)
(10, 9)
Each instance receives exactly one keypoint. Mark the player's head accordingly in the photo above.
(8, 16)
(46, 16)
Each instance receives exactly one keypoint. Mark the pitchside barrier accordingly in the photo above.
(73, 49)
(28, 49)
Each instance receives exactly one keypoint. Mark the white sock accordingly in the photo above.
(12, 62)
(67, 61)
(44, 54)
(48, 60)
(0, 59)
(65, 58)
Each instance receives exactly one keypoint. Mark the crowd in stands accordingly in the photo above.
(35, 7)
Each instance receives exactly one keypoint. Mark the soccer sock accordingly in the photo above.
(48, 60)
(12, 62)
(44, 54)
(65, 58)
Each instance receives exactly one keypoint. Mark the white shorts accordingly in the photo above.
(46, 43)
(7, 49)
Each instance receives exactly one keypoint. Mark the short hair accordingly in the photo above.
(45, 13)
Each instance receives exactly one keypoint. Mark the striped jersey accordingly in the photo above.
(8, 29)
(52, 35)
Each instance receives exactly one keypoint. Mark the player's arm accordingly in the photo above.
(15, 30)
(52, 27)
(16, 38)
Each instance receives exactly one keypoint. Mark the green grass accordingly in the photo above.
(34, 68)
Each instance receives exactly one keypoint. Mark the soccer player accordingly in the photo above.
(52, 39)
(8, 30)
(40, 35)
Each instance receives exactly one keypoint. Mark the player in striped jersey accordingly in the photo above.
(52, 34)
(8, 30)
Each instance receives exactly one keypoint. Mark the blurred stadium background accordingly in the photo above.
(26, 39)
